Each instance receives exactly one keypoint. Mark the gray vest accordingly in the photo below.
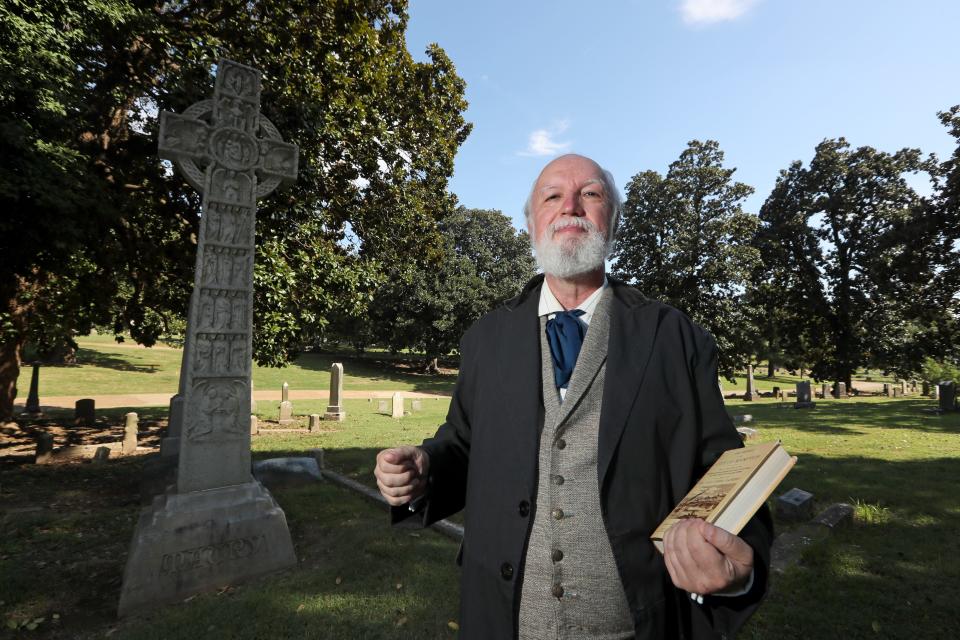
(571, 587)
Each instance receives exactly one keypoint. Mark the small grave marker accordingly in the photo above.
(84, 412)
(335, 410)
(795, 505)
(397, 408)
(131, 427)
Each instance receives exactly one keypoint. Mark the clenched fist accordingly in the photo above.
(402, 473)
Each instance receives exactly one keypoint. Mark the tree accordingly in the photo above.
(852, 247)
(427, 307)
(82, 83)
(686, 241)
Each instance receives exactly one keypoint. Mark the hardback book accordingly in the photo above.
(732, 490)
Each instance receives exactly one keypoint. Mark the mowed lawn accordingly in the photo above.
(105, 367)
(895, 573)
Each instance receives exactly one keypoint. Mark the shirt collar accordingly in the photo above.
(549, 304)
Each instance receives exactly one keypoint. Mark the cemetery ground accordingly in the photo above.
(66, 527)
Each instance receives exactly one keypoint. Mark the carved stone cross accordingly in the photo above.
(232, 155)
(220, 525)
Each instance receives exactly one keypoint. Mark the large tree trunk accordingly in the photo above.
(9, 372)
(771, 369)
(11, 346)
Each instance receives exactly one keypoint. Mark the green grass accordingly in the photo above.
(895, 573)
(107, 368)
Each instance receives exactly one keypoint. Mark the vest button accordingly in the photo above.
(557, 591)
(506, 571)
(523, 509)
(556, 555)
(558, 480)
(561, 444)
(558, 514)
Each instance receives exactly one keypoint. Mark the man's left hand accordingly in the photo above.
(704, 559)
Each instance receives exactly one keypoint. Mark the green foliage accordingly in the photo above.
(852, 263)
(426, 306)
(936, 371)
(685, 240)
(80, 89)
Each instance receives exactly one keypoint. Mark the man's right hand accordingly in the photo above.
(402, 474)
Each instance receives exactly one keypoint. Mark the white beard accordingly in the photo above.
(572, 256)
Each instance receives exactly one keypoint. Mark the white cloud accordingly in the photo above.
(542, 142)
(701, 12)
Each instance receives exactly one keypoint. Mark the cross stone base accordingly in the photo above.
(190, 542)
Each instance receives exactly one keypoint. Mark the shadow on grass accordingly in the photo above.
(849, 417)
(897, 576)
(108, 361)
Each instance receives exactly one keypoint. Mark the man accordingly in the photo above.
(582, 414)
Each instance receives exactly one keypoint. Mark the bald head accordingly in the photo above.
(566, 165)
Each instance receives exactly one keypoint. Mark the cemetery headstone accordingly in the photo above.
(416, 405)
(314, 422)
(751, 387)
(897, 393)
(747, 433)
(840, 390)
(286, 407)
(887, 390)
(219, 525)
(776, 391)
(101, 454)
(824, 390)
(948, 395)
(926, 388)
(936, 392)
(903, 387)
(397, 408)
(746, 417)
(795, 505)
(33, 398)
(44, 448)
(130, 428)
(254, 425)
(804, 399)
(382, 406)
(84, 412)
(335, 410)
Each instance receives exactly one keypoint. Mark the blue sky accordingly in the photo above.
(629, 83)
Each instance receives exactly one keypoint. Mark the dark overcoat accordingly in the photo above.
(662, 425)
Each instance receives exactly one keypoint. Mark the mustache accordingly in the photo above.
(582, 223)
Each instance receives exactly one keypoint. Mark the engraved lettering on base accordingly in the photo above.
(211, 555)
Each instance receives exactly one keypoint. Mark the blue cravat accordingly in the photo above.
(565, 335)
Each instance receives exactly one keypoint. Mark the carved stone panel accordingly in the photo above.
(215, 410)
(221, 354)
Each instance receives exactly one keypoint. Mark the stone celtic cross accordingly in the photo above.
(232, 155)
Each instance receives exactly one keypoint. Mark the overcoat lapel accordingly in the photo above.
(633, 329)
(518, 358)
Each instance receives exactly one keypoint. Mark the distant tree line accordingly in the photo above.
(846, 265)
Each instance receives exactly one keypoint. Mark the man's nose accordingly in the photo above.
(572, 206)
